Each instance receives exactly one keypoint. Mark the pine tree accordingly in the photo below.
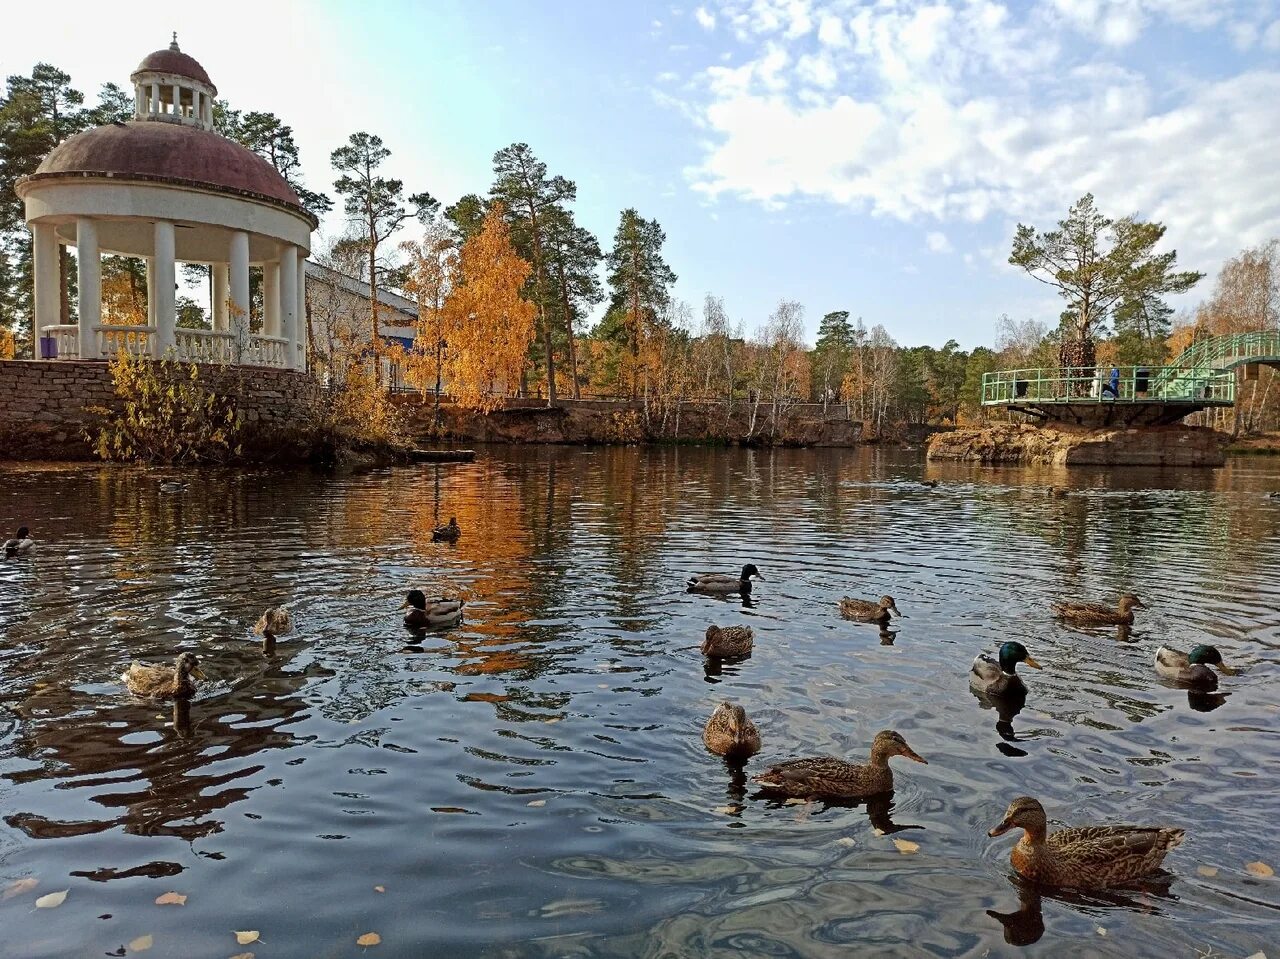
(639, 279)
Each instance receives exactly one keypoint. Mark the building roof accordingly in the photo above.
(169, 152)
(176, 63)
(359, 288)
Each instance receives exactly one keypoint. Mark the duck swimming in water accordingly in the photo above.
(1191, 669)
(274, 622)
(1099, 614)
(728, 641)
(163, 682)
(829, 776)
(730, 733)
(424, 615)
(1000, 677)
(868, 610)
(448, 533)
(725, 583)
(20, 544)
(1083, 857)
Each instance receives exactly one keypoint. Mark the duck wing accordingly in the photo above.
(1113, 853)
(144, 680)
(984, 671)
(1171, 659)
(1069, 610)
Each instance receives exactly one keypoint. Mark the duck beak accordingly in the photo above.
(912, 754)
(198, 673)
(1000, 828)
(1032, 663)
(1226, 670)
(758, 576)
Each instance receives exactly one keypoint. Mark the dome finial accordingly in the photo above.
(174, 45)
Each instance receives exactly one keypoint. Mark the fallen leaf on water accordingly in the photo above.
(1259, 869)
(171, 899)
(1207, 871)
(553, 719)
(19, 887)
(247, 936)
(51, 900)
(845, 841)
(141, 944)
(1101, 931)
(379, 888)
(536, 802)
(369, 939)
(906, 846)
(243, 955)
(793, 801)
(727, 810)
(1258, 955)
(878, 831)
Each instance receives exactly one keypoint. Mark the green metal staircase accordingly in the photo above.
(1198, 363)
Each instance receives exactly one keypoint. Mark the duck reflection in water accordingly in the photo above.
(1203, 702)
(887, 636)
(879, 808)
(1007, 707)
(1026, 925)
(182, 718)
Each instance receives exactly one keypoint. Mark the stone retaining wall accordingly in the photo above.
(45, 405)
(1169, 446)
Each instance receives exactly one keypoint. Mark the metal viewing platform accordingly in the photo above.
(1202, 376)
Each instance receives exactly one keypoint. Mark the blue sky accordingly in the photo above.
(873, 157)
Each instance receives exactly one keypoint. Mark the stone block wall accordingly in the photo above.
(46, 405)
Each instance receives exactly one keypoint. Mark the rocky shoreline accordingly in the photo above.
(1064, 445)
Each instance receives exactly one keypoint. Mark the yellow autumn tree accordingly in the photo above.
(486, 325)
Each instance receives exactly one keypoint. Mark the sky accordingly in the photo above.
(865, 156)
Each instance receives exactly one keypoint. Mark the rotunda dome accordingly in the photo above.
(174, 62)
(167, 152)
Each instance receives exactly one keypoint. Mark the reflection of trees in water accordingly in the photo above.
(149, 764)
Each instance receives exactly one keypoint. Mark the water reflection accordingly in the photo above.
(531, 782)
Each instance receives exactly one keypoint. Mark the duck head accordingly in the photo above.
(734, 718)
(749, 571)
(416, 598)
(188, 664)
(1023, 813)
(1013, 653)
(889, 606)
(890, 743)
(1207, 656)
(23, 532)
(1130, 601)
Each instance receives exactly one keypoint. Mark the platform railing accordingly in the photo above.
(1135, 384)
(134, 340)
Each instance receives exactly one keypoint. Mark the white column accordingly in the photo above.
(45, 254)
(238, 313)
(151, 291)
(90, 276)
(289, 304)
(195, 104)
(271, 274)
(220, 297)
(300, 327)
(155, 98)
(138, 110)
(166, 280)
(177, 100)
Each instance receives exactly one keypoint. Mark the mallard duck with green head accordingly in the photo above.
(20, 544)
(829, 776)
(164, 682)
(868, 610)
(730, 733)
(1099, 614)
(999, 677)
(727, 642)
(1191, 669)
(724, 583)
(424, 615)
(1083, 857)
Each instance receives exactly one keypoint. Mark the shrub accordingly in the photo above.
(166, 415)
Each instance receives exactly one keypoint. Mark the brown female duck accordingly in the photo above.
(1083, 857)
(828, 776)
(730, 733)
(868, 610)
(1099, 614)
(727, 641)
(274, 622)
(161, 682)
(448, 533)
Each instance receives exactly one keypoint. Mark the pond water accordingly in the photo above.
(533, 783)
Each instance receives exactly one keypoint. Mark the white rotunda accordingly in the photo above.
(165, 187)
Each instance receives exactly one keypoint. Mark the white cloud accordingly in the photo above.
(971, 112)
(1271, 36)
(706, 19)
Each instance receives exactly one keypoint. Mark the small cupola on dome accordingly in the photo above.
(171, 86)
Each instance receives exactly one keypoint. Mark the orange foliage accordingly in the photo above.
(486, 325)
